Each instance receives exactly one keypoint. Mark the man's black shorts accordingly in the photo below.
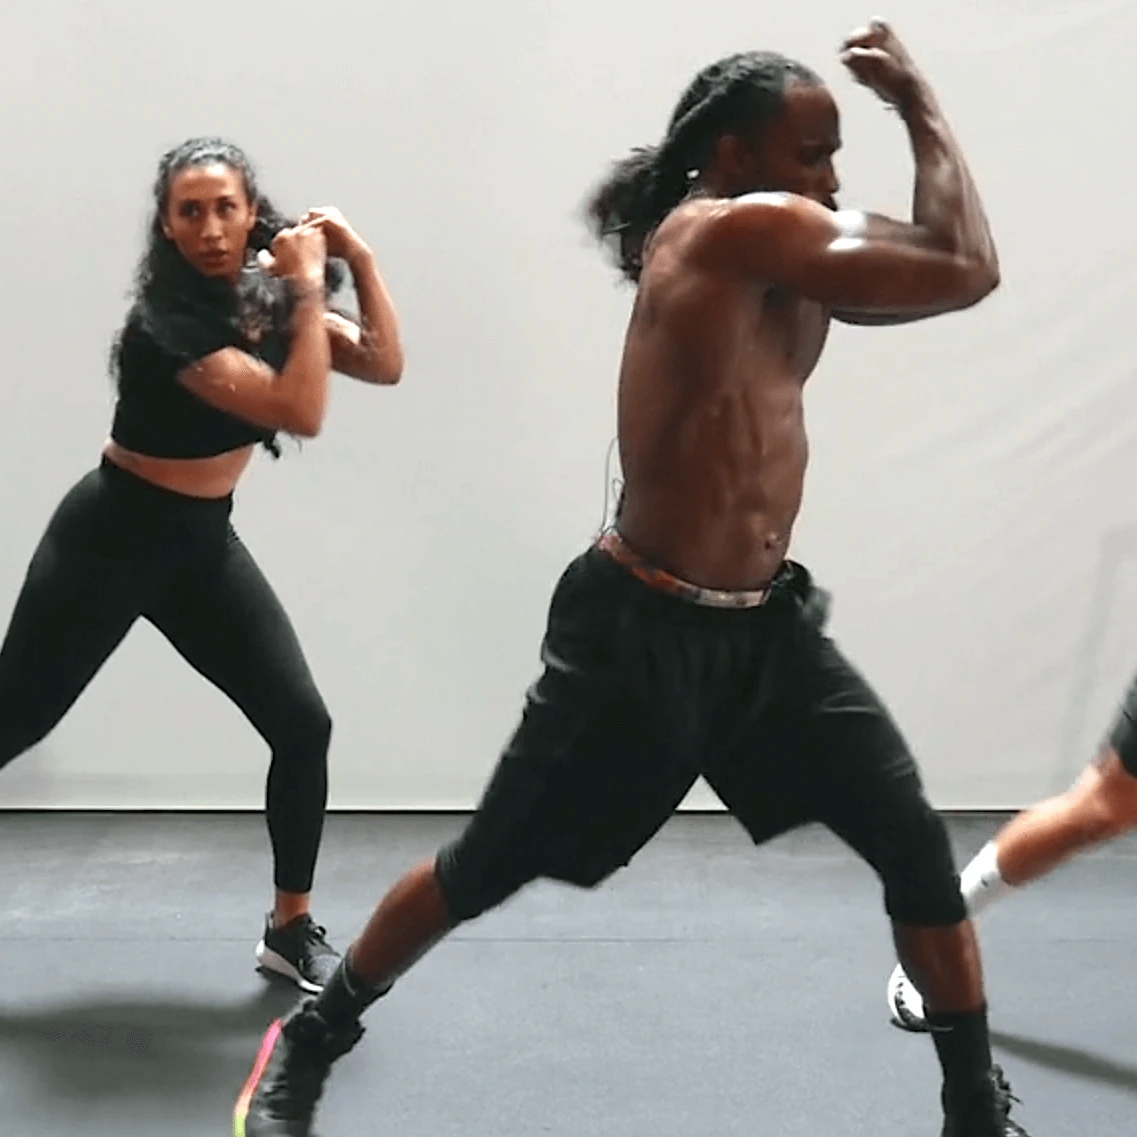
(642, 693)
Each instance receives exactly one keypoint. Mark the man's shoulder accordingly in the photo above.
(708, 232)
(703, 225)
(702, 211)
(765, 209)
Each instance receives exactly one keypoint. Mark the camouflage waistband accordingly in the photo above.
(662, 581)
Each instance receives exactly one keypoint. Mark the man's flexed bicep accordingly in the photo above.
(851, 262)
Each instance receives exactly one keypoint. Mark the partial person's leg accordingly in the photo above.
(78, 600)
(223, 617)
(856, 776)
(1100, 806)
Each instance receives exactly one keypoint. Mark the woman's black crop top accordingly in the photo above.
(157, 415)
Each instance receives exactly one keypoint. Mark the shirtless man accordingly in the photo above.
(684, 643)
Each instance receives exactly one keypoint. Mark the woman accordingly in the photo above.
(229, 342)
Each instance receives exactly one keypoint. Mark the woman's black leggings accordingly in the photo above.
(119, 548)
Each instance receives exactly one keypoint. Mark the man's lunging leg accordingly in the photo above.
(872, 797)
(909, 849)
(938, 947)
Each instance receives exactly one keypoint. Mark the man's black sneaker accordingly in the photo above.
(287, 1079)
(984, 1113)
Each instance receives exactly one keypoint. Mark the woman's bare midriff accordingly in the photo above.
(212, 477)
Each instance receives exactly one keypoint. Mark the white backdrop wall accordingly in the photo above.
(969, 496)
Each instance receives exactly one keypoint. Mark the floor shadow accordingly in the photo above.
(1068, 1060)
(138, 1054)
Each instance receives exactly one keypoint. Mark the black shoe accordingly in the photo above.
(985, 1113)
(295, 1058)
(299, 952)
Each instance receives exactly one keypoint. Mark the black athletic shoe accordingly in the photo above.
(299, 952)
(295, 1058)
(985, 1113)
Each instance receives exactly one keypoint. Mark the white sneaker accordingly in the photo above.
(905, 1003)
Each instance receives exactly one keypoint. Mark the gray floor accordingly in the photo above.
(708, 989)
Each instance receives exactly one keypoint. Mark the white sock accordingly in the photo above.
(981, 882)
